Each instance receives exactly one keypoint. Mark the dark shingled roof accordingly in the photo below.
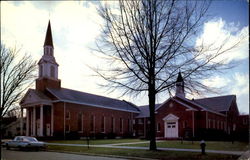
(48, 39)
(145, 111)
(73, 96)
(219, 104)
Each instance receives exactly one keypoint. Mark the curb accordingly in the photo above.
(102, 155)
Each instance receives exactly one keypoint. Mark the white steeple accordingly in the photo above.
(48, 68)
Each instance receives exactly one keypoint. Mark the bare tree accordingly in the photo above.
(148, 42)
(17, 74)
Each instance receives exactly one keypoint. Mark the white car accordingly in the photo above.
(24, 142)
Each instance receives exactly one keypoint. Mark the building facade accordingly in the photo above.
(53, 111)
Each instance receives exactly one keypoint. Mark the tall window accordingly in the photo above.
(41, 71)
(52, 71)
(121, 125)
(92, 123)
(103, 124)
(67, 128)
(80, 122)
(128, 125)
(51, 51)
(67, 115)
(46, 51)
(112, 124)
(158, 127)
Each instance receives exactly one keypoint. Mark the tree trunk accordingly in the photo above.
(151, 96)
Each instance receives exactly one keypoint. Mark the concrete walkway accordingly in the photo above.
(146, 148)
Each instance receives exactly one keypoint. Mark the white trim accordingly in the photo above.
(34, 121)
(21, 122)
(36, 103)
(41, 120)
(27, 122)
(170, 117)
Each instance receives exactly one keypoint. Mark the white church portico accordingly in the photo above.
(39, 114)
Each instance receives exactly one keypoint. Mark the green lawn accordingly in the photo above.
(228, 146)
(164, 155)
(97, 141)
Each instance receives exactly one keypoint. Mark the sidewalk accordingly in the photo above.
(146, 148)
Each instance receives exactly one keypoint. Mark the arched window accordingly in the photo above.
(46, 51)
(41, 71)
(52, 71)
(51, 51)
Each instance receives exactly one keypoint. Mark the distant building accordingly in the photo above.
(55, 111)
(13, 128)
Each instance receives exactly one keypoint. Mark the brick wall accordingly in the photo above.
(98, 113)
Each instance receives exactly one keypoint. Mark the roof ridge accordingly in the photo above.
(215, 97)
(88, 93)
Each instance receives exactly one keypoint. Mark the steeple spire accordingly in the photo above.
(180, 86)
(179, 78)
(48, 39)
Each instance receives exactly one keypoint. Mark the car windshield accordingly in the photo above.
(30, 139)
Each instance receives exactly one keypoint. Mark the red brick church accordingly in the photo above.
(55, 111)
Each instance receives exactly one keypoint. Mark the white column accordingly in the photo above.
(41, 120)
(27, 121)
(34, 121)
(52, 120)
(21, 122)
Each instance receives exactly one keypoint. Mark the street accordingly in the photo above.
(42, 155)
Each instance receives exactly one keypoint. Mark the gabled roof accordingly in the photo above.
(219, 104)
(77, 97)
(144, 111)
(199, 106)
(48, 39)
(33, 97)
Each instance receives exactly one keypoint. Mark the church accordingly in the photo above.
(54, 111)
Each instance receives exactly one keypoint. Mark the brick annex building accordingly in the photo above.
(55, 111)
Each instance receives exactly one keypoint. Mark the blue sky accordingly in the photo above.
(76, 25)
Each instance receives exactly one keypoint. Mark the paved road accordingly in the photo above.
(41, 155)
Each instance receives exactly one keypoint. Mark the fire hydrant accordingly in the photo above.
(203, 146)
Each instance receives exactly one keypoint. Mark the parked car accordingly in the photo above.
(24, 142)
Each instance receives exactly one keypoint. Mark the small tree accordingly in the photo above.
(148, 42)
(17, 74)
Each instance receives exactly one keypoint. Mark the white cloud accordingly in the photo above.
(217, 32)
(216, 81)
